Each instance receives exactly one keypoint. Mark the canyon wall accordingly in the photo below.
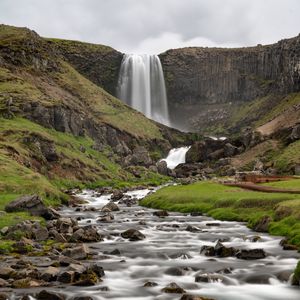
(205, 86)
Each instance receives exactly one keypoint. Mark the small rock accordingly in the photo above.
(48, 295)
(150, 284)
(3, 283)
(133, 235)
(50, 274)
(212, 224)
(173, 288)
(191, 228)
(78, 252)
(110, 206)
(193, 297)
(117, 195)
(161, 213)
(4, 296)
(106, 218)
(263, 224)
(174, 271)
(6, 272)
(66, 277)
(208, 278)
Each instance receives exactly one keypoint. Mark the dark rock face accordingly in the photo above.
(98, 63)
(47, 295)
(204, 85)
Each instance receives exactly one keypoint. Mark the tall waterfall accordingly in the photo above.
(142, 86)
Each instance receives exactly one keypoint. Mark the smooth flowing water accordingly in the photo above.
(169, 245)
(176, 156)
(141, 85)
(171, 253)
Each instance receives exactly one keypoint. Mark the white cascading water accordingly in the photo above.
(176, 156)
(141, 85)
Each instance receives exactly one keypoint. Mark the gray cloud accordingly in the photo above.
(152, 26)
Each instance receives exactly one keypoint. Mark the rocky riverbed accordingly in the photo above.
(119, 250)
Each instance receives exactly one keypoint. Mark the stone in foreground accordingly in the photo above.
(133, 235)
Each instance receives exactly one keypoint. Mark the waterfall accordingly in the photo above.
(141, 85)
(176, 156)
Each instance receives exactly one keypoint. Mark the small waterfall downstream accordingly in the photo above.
(141, 85)
(176, 156)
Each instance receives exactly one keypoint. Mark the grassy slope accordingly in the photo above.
(229, 203)
(23, 169)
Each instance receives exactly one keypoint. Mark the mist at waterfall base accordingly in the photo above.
(176, 156)
(141, 85)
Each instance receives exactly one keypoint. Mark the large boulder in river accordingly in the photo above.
(251, 254)
(133, 235)
(110, 206)
(173, 288)
(48, 295)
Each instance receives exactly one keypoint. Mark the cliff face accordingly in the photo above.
(99, 63)
(206, 86)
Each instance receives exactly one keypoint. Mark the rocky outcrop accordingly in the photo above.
(206, 85)
(100, 64)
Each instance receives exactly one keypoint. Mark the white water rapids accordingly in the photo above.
(170, 246)
(141, 85)
(176, 156)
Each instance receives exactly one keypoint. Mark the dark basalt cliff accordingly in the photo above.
(206, 86)
(99, 63)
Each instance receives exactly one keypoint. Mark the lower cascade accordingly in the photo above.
(176, 156)
(141, 85)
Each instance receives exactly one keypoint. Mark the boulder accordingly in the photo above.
(87, 234)
(173, 288)
(32, 204)
(78, 252)
(193, 297)
(66, 277)
(263, 224)
(191, 228)
(150, 284)
(110, 206)
(133, 235)
(208, 278)
(6, 272)
(3, 283)
(49, 295)
(162, 167)
(175, 271)
(251, 254)
(106, 218)
(50, 274)
(230, 150)
(4, 296)
(222, 251)
(161, 213)
(117, 195)
(140, 157)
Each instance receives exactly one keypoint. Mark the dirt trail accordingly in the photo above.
(262, 188)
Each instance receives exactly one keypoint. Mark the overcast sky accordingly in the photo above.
(153, 26)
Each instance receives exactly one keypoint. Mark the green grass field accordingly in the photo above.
(233, 204)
